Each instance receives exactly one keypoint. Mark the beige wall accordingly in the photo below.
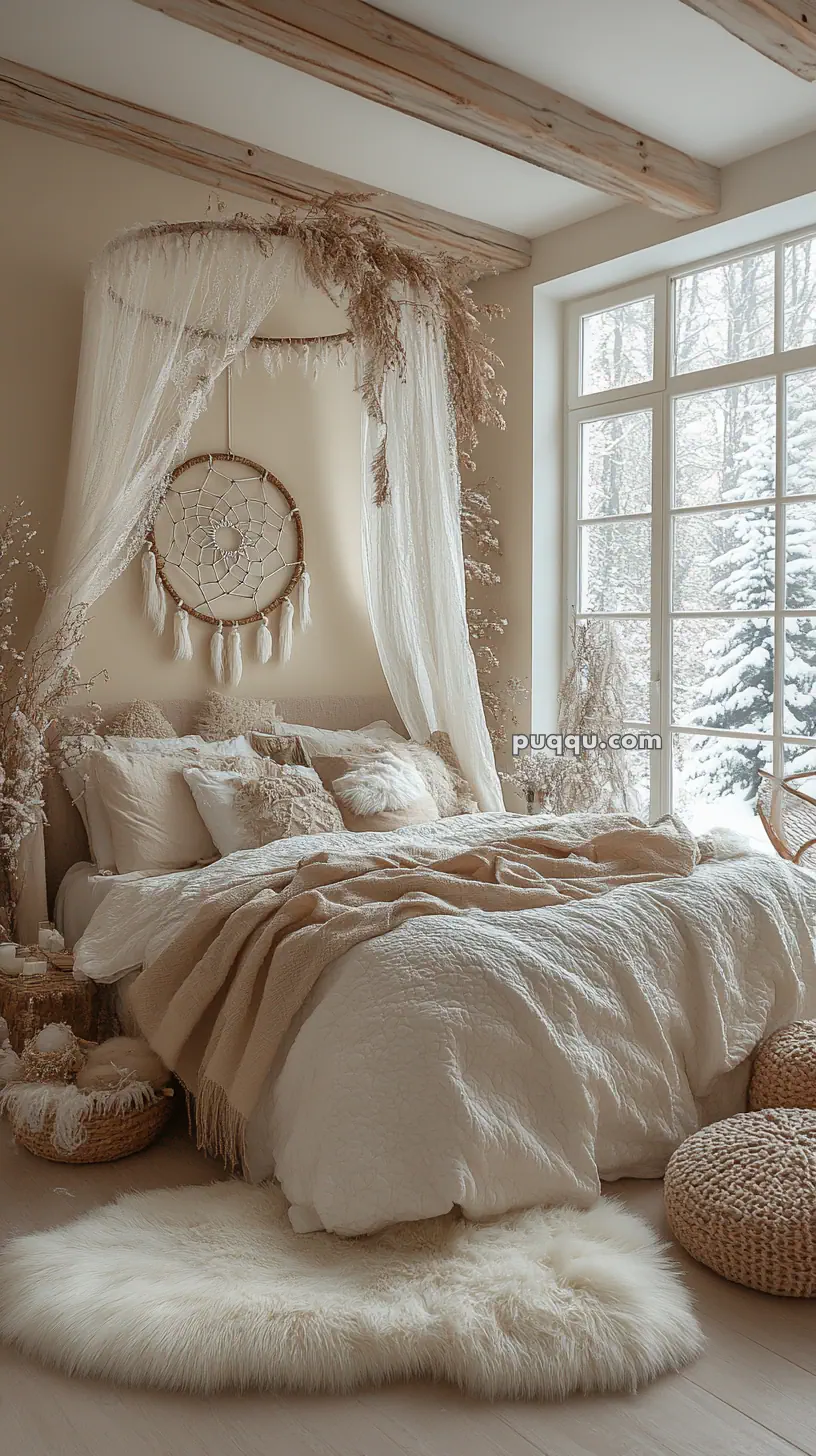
(60, 204)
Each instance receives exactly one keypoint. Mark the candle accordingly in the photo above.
(8, 956)
(44, 934)
(33, 966)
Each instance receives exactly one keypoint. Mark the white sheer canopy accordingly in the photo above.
(165, 313)
(167, 309)
(413, 562)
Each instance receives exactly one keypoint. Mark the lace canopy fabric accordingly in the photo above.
(167, 309)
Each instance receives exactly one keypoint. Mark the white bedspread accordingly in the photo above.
(501, 1060)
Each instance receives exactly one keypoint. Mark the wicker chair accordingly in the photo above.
(788, 815)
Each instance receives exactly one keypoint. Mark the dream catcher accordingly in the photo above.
(226, 546)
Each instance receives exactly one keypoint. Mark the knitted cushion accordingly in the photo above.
(741, 1198)
(784, 1072)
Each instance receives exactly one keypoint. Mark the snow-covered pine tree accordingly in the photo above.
(739, 559)
(737, 691)
(800, 584)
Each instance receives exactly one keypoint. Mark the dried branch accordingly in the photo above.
(36, 684)
(590, 703)
(479, 529)
(349, 257)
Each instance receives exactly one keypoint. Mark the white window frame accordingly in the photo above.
(658, 395)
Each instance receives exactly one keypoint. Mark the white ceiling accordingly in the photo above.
(655, 64)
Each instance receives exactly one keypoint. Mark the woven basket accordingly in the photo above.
(741, 1198)
(110, 1135)
(784, 1073)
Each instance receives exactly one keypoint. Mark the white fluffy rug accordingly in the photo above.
(209, 1289)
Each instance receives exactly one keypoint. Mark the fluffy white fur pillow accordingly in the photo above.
(384, 783)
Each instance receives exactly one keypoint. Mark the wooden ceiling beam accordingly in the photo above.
(361, 49)
(782, 30)
(30, 98)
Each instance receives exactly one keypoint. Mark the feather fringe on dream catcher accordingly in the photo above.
(227, 537)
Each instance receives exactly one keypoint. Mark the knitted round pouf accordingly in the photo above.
(784, 1072)
(741, 1198)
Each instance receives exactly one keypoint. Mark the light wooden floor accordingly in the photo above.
(752, 1394)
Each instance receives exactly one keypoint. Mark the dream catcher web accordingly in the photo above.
(232, 538)
(227, 547)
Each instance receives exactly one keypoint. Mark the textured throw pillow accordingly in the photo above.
(141, 720)
(344, 778)
(224, 717)
(281, 748)
(284, 807)
(463, 798)
(214, 786)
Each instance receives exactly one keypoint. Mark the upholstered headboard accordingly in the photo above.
(65, 841)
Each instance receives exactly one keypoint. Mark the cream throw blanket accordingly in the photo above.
(217, 1003)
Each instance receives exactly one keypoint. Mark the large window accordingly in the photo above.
(692, 517)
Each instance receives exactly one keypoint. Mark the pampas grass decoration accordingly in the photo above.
(234, 661)
(263, 641)
(304, 608)
(153, 600)
(217, 653)
(285, 630)
(182, 646)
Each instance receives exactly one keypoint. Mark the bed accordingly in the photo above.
(493, 1061)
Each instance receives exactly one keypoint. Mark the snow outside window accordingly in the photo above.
(691, 520)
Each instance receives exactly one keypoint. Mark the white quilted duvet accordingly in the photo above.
(502, 1060)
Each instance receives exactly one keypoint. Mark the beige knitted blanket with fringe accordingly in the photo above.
(217, 1003)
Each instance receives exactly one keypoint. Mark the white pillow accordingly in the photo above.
(383, 784)
(154, 824)
(214, 793)
(82, 787)
(227, 747)
(336, 742)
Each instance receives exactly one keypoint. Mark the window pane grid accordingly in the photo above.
(737, 500)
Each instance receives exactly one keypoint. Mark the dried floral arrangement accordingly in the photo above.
(590, 701)
(480, 532)
(351, 254)
(349, 257)
(37, 682)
